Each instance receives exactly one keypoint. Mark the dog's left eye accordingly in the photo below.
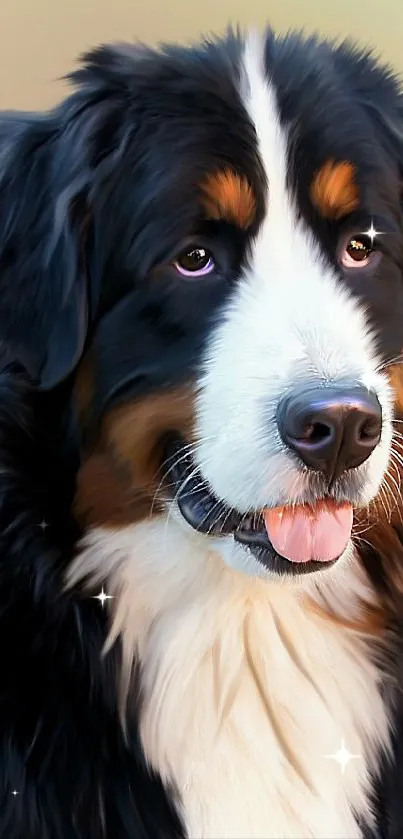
(194, 261)
(358, 252)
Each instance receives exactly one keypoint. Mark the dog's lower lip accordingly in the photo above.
(196, 502)
(207, 514)
(250, 536)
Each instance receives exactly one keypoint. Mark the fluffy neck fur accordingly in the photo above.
(246, 691)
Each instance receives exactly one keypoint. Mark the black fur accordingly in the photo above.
(61, 747)
(96, 198)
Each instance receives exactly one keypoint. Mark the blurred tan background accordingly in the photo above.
(40, 39)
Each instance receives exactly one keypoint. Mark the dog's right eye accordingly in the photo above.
(359, 252)
(194, 261)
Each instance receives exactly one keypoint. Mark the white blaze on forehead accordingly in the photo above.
(290, 322)
(285, 254)
(261, 104)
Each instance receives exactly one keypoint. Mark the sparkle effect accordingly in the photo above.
(15, 792)
(102, 597)
(372, 232)
(343, 757)
(43, 525)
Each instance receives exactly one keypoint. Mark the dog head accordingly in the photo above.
(217, 233)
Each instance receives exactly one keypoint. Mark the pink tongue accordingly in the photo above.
(304, 533)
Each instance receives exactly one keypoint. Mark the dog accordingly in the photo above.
(201, 320)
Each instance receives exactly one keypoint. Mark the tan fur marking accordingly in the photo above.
(334, 191)
(135, 430)
(105, 496)
(395, 375)
(228, 196)
(371, 622)
(118, 481)
(387, 506)
(381, 523)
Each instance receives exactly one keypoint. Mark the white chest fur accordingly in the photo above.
(247, 695)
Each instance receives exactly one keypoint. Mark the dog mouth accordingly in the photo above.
(292, 540)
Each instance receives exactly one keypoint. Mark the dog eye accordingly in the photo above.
(358, 252)
(194, 262)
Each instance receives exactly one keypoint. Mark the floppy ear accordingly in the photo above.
(43, 265)
(59, 173)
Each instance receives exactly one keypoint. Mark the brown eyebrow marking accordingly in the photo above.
(228, 196)
(334, 191)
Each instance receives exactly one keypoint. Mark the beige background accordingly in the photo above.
(40, 39)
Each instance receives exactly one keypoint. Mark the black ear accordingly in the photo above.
(43, 260)
(58, 173)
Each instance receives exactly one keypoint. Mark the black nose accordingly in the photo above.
(331, 430)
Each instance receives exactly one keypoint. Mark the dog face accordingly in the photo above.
(241, 263)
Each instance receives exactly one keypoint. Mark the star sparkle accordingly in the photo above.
(372, 232)
(343, 757)
(15, 792)
(102, 597)
(43, 525)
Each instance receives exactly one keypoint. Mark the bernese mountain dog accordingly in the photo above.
(201, 408)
